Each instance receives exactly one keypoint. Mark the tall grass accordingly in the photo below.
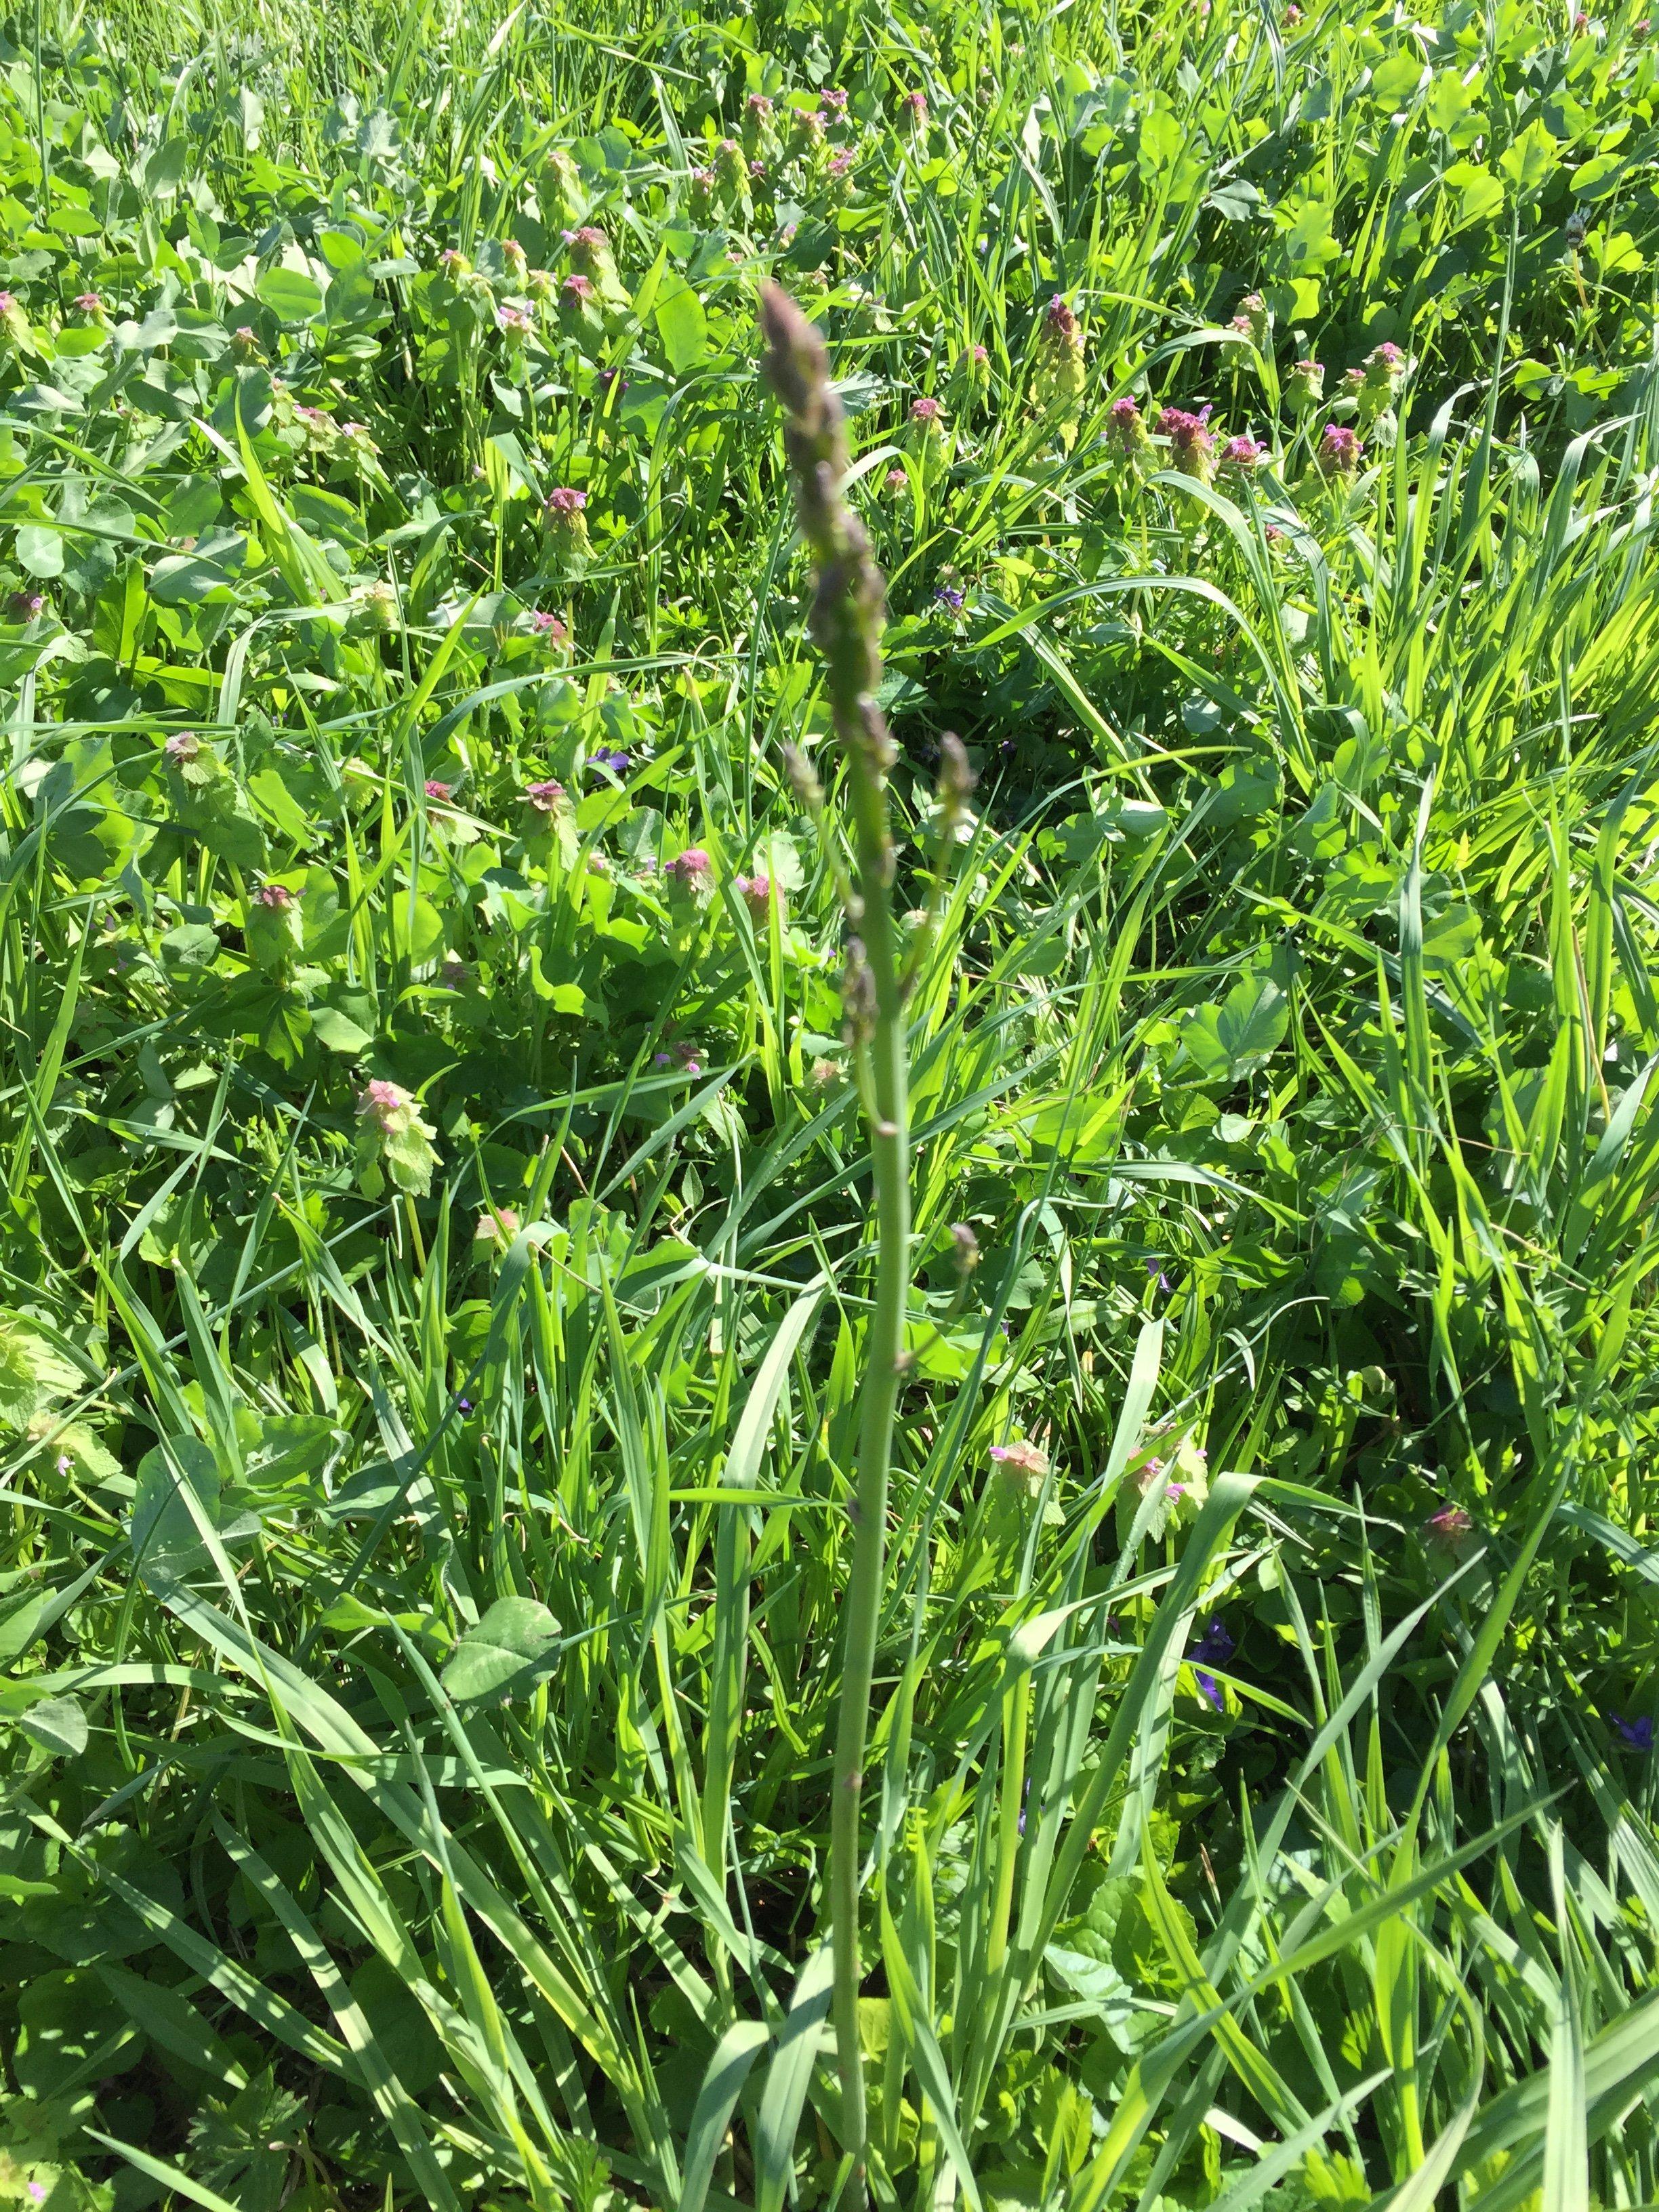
(440, 1634)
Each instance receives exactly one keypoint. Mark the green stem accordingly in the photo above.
(884, 1364)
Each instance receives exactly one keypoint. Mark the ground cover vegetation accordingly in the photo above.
(455, 1139)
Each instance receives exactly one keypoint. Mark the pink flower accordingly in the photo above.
(841, 165)
(514, 256)
(1451, 1525)
(579, 287)
(276, 895)
(496, 1228)
(1059, 322)
(896, 479)
(924, 410)
(1026, 1458)
(1243, 453)
(24, 606)
(916, 107)
(548, 625)
(589, 248)
(453, 262)
(515, 321)
(7, 303)
(1191, 446)
(758, 106)
(544, 797)
(183, 747)
(436, 790)
(833, 102)
(379, 1100)
(755, 892)
(88, 303)
(1340, 450)
(566, 500)
(690, 868)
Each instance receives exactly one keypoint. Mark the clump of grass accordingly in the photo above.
(538, 1479)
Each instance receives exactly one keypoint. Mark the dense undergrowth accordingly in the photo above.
(435, 1249)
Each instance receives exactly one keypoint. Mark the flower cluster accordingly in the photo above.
(393, 1141)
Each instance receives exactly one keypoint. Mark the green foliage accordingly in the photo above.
(435, 1264)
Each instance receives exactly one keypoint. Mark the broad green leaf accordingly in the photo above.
(506, 1654)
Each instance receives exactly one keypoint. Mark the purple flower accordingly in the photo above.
(1210, 1690)
(1340, 450)
(1191, 446)
(24, 606)
(1214, 1647)
(1638, 1734)
(924, 410)
(465, 1404)
(1158, 1275)
(608, 759)
(548, 625)
(1059, 325)
(947, 595)
(1243, 451)
(544, 796)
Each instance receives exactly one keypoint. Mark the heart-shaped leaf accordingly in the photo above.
(506, 1654)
